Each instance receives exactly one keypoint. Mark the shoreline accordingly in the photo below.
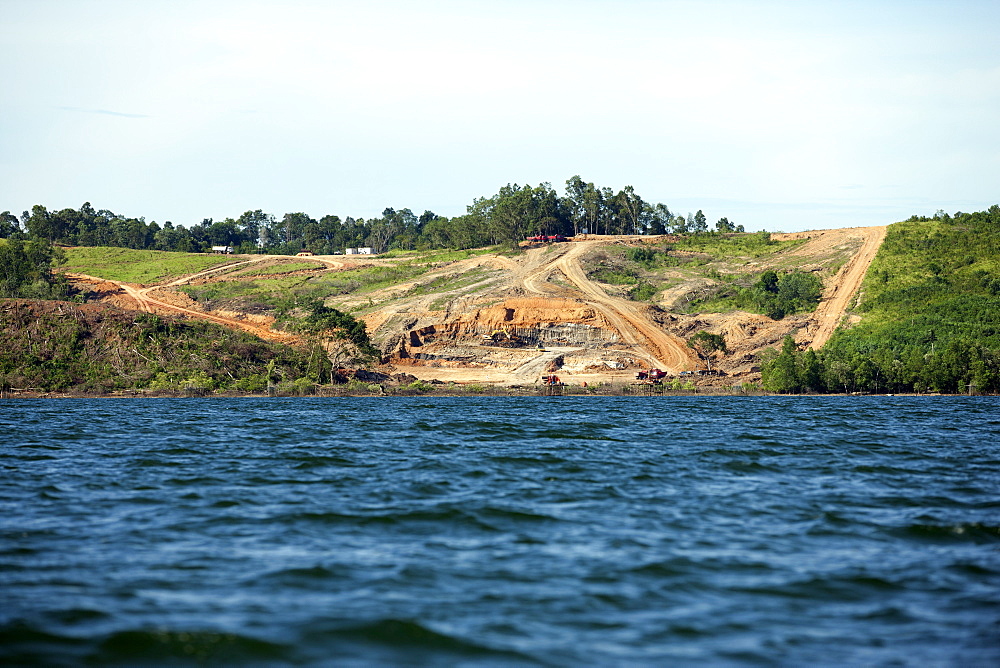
(328, 393)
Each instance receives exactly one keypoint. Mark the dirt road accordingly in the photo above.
(837, 296)
(146, 303)
(663, 350)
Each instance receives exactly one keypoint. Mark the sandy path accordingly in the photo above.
(838, 296)
(183, 280)
(255, 329)
(146, 303)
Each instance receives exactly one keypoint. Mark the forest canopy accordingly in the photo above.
(505, 218)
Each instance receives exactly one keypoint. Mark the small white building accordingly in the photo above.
(359, 251)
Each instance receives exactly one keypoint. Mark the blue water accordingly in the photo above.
(540, 531)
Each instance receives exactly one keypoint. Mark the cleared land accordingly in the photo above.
(494, 318)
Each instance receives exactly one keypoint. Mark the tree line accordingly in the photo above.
(505, 218)
(26, 269)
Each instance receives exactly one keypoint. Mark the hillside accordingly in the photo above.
(593, 310)
(928, 318)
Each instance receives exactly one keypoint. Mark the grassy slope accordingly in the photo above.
(283, 267)
(934, 281)
(282, 292)
(138, 266)
(930, 308)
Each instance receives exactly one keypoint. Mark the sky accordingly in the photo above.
(778, 115)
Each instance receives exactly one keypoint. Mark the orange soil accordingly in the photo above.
(545, 286)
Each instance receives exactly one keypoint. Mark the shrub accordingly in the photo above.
(419, 386)
(642, 292)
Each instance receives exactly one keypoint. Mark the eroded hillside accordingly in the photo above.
(590, 310)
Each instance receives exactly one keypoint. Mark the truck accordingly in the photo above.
(652, 376)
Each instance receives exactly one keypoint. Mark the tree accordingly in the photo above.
(723, 226)
(575, 188)
(811, 371)
(586, 205)
(661, 219)
(9, 224)
(629, 208)
(706, 345)
(700, 223)
(253, 224)
(38, 222)
(768, 282)
(331, 324)
(26, 270)
(778, 371)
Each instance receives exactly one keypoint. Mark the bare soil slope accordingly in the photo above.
(510, 320)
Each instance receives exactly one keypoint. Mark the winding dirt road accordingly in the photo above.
(838, 296)
(149, 304)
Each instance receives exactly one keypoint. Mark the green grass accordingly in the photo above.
(453, 282)
(68, 348)
(931, 315)
(438, 255)
(615, 277)
(643, 292)
(138, 266)
(282, 268)
(282, 292)
(755, 245)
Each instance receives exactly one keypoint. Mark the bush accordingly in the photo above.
(643, 292)
(419, 386)
(777, 296)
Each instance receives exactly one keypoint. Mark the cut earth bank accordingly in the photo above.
(513, 319)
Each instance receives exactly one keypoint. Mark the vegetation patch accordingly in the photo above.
(643, 292)
(280, 268)
(451, 282)
(284, 293)
(26, 270)
(612, 276)
(755, 245)
(770, 293)
(57, 346)
(138, 266)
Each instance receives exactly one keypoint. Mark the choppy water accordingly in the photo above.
(496, 532)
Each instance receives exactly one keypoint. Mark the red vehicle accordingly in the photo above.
(653, 375)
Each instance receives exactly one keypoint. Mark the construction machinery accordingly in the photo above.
(652, 376)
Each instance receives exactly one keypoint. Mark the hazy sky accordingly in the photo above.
(778, 115)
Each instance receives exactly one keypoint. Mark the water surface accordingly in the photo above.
(549, 531)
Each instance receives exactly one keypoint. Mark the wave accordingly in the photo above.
(393, 641)
(964, 532)
(203, 647)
